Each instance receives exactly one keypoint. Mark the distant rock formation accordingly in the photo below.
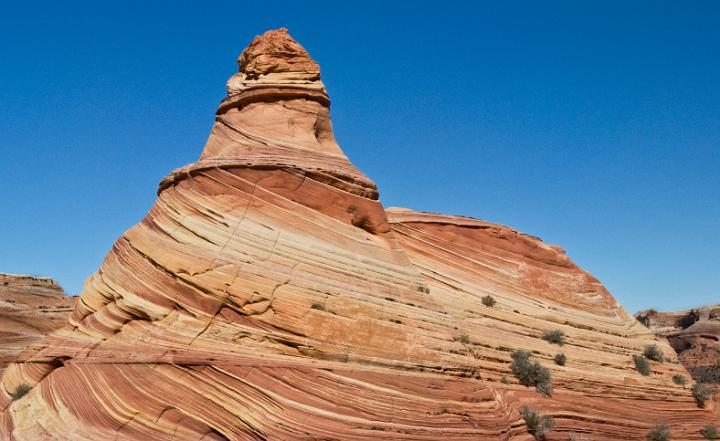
(695, 336)
(268, 295)
(30, 308)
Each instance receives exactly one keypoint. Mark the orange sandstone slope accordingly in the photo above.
(267, 295)
(30, 308)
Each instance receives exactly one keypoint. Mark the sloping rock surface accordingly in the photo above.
(695, 336)
(268, 295)
(30, 308)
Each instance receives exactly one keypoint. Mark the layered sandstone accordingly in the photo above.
(695, 336)
(30, 308)
(268, 295)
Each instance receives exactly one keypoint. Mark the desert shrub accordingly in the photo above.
(556, 336)
(538, 425)
(661, 432)
(652, 352)
(488, 301)
(642, 364)
(701, 392)
(709, 432)
(531, 373)
(545, 387)
(504, 380)
(678, 379)
(464, 339)
(20, 391)
(707, 374)
(576, 437)
(560, 359)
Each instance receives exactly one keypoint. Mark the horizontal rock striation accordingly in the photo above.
(268, 295)
(30, 308)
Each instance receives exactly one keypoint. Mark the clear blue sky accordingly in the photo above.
(594, 125)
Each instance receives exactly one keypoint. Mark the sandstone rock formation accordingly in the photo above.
(268, 295)
(30, 308)
(695, 336)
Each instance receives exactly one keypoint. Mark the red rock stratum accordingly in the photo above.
(268, 295)
(30, 308)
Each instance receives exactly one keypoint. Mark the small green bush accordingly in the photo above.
(538, 425)
(504, 380)
(642, 364)
(464, 339)
(652, 352)
(709, 432)
(701, 392)
(678, 379)
(661, 432)
(545, 388)
(531, 374)
(20, 391)
(488, 301)
(707, 374)
(556, 336)
(560, 359)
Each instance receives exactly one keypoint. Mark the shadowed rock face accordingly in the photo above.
(30, 308)
(268, 295)
(694, 334)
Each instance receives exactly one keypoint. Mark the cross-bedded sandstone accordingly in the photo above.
(268, 295)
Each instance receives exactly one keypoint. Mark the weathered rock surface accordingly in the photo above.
(695, 336)
(30, 308)
(268, 295)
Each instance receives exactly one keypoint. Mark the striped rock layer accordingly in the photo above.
(268, 295)
(30, 308)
